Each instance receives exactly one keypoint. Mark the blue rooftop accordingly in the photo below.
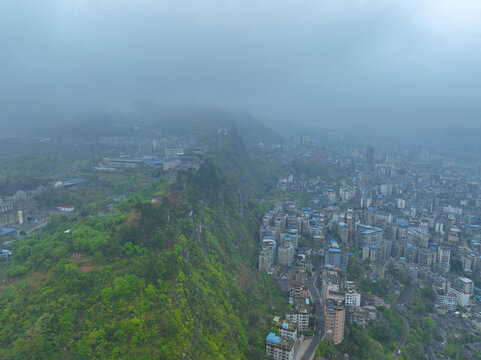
(273, 338)
(334, 250)
(285, 325)
(5, 230)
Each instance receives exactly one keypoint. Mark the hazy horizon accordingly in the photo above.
(352, 65)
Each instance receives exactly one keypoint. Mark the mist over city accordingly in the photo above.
(379, 66)
(239, 180)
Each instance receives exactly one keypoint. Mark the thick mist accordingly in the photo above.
(355, 65)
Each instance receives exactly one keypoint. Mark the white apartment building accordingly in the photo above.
(353, 298)
(300, 318)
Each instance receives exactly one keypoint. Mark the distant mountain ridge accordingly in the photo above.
(193, 121)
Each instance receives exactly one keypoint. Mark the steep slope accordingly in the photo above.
(169, 281)
(201, 121)
(195, 121)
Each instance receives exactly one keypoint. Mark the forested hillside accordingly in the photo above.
(171, 280)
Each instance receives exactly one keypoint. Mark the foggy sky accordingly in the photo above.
(360, 64)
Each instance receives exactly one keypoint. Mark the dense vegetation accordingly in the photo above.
(313, 168)
(421, 302)
(175, 280)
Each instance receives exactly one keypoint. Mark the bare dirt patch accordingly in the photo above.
(85, 268)
(245, 277)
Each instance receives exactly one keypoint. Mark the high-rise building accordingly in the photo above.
(346, 193)
(426, 257)
(334, 320)
(462, 289)
(444, 255)
(286, 255)
(267, 253)
(265, 259)
(463, 285)
(335, 257)
(370, 158)
(343, 231)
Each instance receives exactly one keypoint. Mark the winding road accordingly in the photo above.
(401, 309)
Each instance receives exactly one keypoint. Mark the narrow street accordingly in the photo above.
(402, 310)
(308, 350)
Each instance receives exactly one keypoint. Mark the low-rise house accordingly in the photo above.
(5, 254)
